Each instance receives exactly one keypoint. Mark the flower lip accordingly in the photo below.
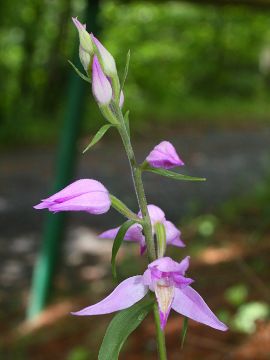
(167, 272)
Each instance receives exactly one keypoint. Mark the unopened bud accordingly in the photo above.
(106, 59)
(101, 86)
(85, 38)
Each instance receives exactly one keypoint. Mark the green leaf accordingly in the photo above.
(85, 78)
(119, 206)
(126, 118)
(184, 331)
(98, 136)
(118, 242)
(172, 175)
(121, 326)
(126, 70)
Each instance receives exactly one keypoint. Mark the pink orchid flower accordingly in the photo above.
(82, 195)
(164, 156)
(135, 234)
(166, 278)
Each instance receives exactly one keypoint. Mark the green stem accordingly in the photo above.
(147, 227)
(160, 335)
(138, 184)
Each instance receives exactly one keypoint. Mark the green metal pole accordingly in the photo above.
(54, 224)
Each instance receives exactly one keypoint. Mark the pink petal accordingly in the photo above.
(164, 156)
(95, 203)
(181, 281)
(77, 188)
(173, 234)
(124, 295)
(134, 233)
(184, 265)
(189, 303)
(155, 213)
(165, 264)
(109, 234)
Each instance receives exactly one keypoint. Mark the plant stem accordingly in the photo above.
(138, 185)
(147, 226)
(160, 335)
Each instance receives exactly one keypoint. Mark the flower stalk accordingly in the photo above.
(161, 345)
(138, 184)
(152, 252)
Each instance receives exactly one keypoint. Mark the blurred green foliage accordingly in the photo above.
(188, 62)
(237, 294)
(79, 353)
(248, 314)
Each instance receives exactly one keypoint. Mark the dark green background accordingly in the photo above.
(190, 64)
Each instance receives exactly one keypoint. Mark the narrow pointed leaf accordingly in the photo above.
(85, 78)
(121, 326)
(173, 175)
(98, 136)
(122, 208)
(118, 242)
(126, 118)
(126, 70)
(184, 331)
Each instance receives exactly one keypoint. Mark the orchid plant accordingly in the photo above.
(163, 285)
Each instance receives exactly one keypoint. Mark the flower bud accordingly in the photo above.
(85, 38)
(106, 59)
(164, 156)
(101, 86)
(82, 195)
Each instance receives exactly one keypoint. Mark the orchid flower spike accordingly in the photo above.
(166, 278)
(135, 233)
(164, 156)
(106, 59)
(82, 195)
(101, 86)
